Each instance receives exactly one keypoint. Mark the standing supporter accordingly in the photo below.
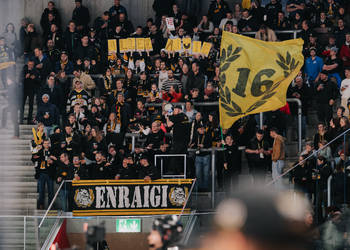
(81, 16)
(155, 137)
(272, 10)
(51, 9)
(340, 32)
(345, 51)
(217, 11)
(265, 34)
(80, 170)
(65, 172)
(313, 67)
(163, 75)
(202, 140)
(321, 135)
(173, 95)
(195, 80)
(180, 124)
(71, 39)
(332, 65)
(302, 176)
(257, 152)
(45, 171)
(277, 157)
(229, 17)
(117, 9)
(101, 170)
(231, 167)
(326, 94)
(42, 64)
(30, 84)
(345, 91)
(48, 114)
(85, 50)
(171, 81)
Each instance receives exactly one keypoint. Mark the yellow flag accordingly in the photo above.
(148, 44)
(246, 4)
(255, 75)
(140, 44)
(112, 46)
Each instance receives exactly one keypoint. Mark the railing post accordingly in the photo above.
(212, 178)
(299, 126)
(261, 116)
(132, 143)
(24, 231)
(329, 189)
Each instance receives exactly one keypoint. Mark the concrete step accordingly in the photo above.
(17, 163)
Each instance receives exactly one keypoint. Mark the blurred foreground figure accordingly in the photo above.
(165, 234)
(260, 220)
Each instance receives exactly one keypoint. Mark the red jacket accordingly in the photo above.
(345, 52)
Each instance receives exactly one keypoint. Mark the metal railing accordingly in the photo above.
(294, 32)
(307, 158)
(162, 169)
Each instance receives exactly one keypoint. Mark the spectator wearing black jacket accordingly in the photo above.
(44, 172)
(56, 36)
(48, 114)
(126, 171)
(30, 85)
(51, 9)
(147, 171)
(217, 11)
(155, 137)
(231, 167)
(326, 94)
(81, 16)
(80, 170)
(196, 80)
(84, 50)
(272, 10)
(247, 22)
(71, 39)
(302, 176)
(99, 170)
(42, 64)
(65, 171)
(162, 7)
(55, 94)
(126, 24)
(117, 9)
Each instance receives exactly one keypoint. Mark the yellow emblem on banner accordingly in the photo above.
(255, 75)
(187, 43)
(196, 47)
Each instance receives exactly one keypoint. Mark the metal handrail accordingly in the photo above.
(294, 32)
(329, 190)
(312, 155)
(52, 202)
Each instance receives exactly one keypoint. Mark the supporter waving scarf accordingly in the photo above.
(38, 136)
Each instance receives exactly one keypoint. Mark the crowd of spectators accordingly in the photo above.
(89, 103)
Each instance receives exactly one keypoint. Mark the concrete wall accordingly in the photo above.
(138, 10)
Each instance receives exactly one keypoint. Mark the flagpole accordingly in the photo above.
(261, 120)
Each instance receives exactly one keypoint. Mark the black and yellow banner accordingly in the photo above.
(130, 197)
(255, 75)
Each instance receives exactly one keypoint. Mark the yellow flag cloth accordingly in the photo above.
(246, 4)
(148, 44)
(140, 44)
(255, 75)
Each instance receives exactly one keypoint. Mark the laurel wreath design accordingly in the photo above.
(287, 64)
